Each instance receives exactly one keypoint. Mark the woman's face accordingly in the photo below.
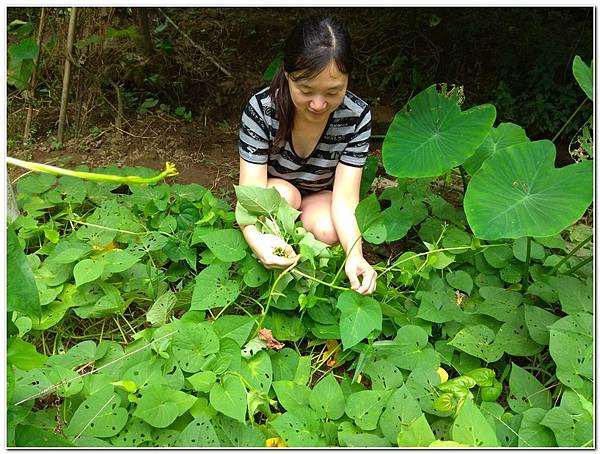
(314, 99)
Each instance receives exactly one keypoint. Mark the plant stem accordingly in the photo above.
(569, 120)
(570, 254)
(378, 136)
(580, 264)
(527, 263)
(312, 278)
(463, 176)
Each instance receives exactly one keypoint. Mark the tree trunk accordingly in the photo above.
(66, 77)
(31, 91)
(144, 41)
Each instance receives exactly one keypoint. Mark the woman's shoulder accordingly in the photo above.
(357, 105)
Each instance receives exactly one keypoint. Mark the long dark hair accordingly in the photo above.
(308, 50)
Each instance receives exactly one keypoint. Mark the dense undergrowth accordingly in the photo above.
(139, 317)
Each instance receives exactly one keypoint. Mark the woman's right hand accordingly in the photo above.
(271, 250)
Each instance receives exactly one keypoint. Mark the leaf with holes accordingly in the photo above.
(229, 397)
(135, 432)
(365, 407)
(100, 415)
(574, 295)
(400, 411)
(327, 398)
(198, 433)
(532, 433)
(67, 382)
(526, 391)
(433, 135)
(478, 340)
(160, 405)
(214, 288)
(538, 322)
(192, 344)
(406, 350)
(292, 395)
(236, 327)
(257, 371)
(519, 193)
(370, 220)
(471, 428)
(418, 433)
(513, 337)
(360, 316)
(299, 429)
(384, 374)
(228, 245)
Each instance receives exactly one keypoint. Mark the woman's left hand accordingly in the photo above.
(356, 266)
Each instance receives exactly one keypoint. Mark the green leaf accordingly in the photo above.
(87, 270)
(271, 70)
(257, 200)
(571, 347)
(460, 280)
(135, 432)
(532, 433)
(471, 428)
(292, 395)
(67, 381)
(23, 355)
(418, 433)
(406, 348)
(33, 436)
(160, 405)
(499, 138)
(213, 288)
(20, 62)
(575, 296)
(203, 381)
(498, 256)
(299, 429)
(100, 415)
(228, 245)
(538, 321)
(257, 371)
(433, 135)
(584, 75)
(570, 430)
(236, 327)
(513, 337)
(327, 398)
(537, 251)
(21, 292)
(478, 340)
(370, 220)
(526, 391)
(285, 327)
(365, 407)
(384, 374)
(192, 344)
(397, 221)
(159, 312)
(401, 410)
(519, 193)
(360, 316)
(229, 397)
(118, 260)
(198, 433)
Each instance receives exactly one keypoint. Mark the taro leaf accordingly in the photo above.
(370, 220)
(23, 355)
(499, 138)
(532, 433)
(538, 320)
(360, 316)
(519, 193)
(433, 135)
(21, 292)
(213, 288)
(236, 327)
(571, 346)
(513, 337)
(160, 405)
(460, 280)
(584, 75)
(471, 428)
(365, 407)
(575, 296)
(198, 433)
(257, 200)
(292, 395)
(478, 340)
(327, 398)
(257, 371)
(526, 391)
(418, 433)
(400, 411)
(300, 428)
(229, 397)
(118, 260)
(159, 312)
(100, 415)
(228, 245)
(87, 270)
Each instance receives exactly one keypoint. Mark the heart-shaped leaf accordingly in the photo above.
(584, 75)
(228, 245)
(519, 193)
(499, 138)
(229, 397)
(360, 316)
(433, 135)
(526, 391)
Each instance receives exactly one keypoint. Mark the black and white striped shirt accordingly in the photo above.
(345, 139)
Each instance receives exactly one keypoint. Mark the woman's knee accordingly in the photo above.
(316, 217)
(287, 190)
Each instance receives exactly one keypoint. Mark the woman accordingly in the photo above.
(308, 137)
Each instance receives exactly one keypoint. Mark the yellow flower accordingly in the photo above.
(443, 375)
(276, 442)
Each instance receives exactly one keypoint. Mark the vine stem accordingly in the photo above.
(557, 135)
(463, 176)
(580, 264)
(527, 264)
(570, 254)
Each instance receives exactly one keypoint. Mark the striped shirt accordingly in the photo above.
(345, 139)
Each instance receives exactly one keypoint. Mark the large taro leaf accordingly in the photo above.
(499, 138)
(584, 75)
(519, 193)
(433, 135)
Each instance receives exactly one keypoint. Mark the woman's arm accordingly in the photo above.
(346, 194)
